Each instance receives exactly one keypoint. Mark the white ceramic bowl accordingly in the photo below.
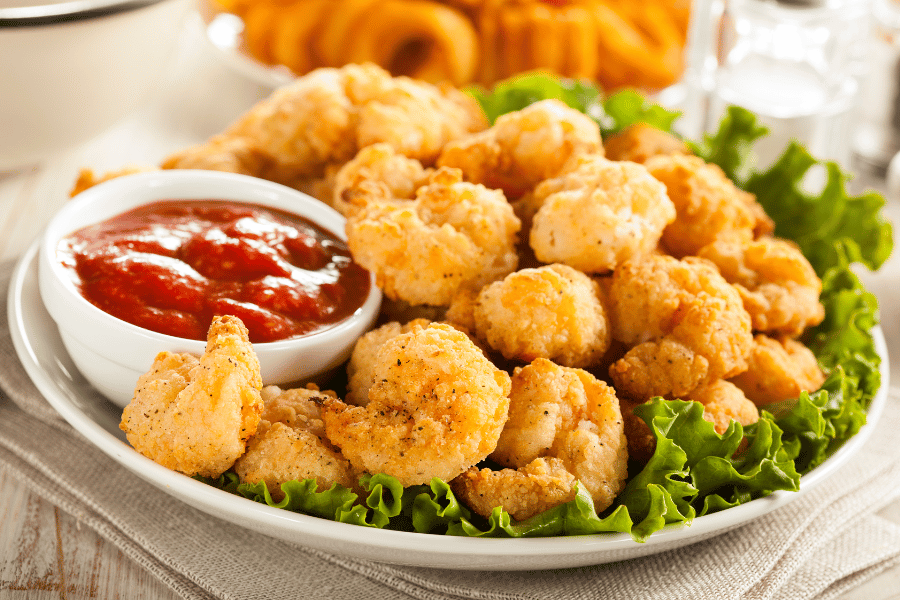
(111, 353)
(70, 70)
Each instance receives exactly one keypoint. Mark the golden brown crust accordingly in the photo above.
(779, 369)
(195, 416)
(436, 408)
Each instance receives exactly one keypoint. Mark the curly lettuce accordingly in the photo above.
(694, 470)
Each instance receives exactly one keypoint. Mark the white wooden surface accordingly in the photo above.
(45, 553)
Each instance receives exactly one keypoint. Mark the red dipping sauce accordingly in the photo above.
(171, 266)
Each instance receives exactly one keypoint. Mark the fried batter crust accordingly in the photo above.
(524, 147)
(436, 408)
(708, 205)
(779, 369)
(779, 287)
(290, 444)
(195, 416)
(550, 312)
(453, 235)
(598, 214)
(685, 325)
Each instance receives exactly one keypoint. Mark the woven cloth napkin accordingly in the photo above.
(825, 542)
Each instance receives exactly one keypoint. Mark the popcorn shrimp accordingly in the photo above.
(551, 312)
(454, 234)
(640, 142)
(436, 408)
(779, 287)
(708, 206)
(361, 366)
(599, 214)
(538, 486)
(780, 368)
(685, 325)
(401, 176)
(524, 147)
(290, 444)
(326, 116)
(223, 153)
(724, 402)
(569, 418)
(195, 416)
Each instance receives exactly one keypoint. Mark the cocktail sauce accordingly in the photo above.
(170, 266)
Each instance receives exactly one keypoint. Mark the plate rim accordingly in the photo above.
(454, 552)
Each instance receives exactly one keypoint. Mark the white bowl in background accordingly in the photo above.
(112, 354)
(71, 70)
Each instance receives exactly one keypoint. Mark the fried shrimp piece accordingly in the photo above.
(685, 325)
(722, 403)
(401, 176)
(361, 366)
(780, 368)
(224, 153)
(779, 287)
(436, 408)
(326, 116)
(550, 312)
(88, 179)
(538, 486)
(568, 415)
(524, 147)
(290, 444)
(640, 142)
(195, 416)
(453, 234)
(708, 205)
(599, 214)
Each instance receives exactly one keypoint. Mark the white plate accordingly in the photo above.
(40, 348)
(225, 32)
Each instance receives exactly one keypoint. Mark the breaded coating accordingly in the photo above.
(524, 147)
(708, 205)
(723, 402)
(538, 486)
(361, 366)
(402, 176)
(436, 408)
(779, 287)
(685, 326)
(567, 414)
(549, 312)
(454, 234)
(290, 444)
(88, 179)
(328, 115)
(195, 416)
(641, 441)
(640, 142)
(224, 153)
(780, 368)
(599, 214)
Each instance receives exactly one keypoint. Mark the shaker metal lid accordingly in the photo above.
(25, 13)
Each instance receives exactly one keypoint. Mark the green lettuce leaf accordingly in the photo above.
(730, 146)
(576, 517)
(520, 91)
(627, 107)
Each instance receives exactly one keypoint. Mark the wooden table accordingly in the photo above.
(44, 552)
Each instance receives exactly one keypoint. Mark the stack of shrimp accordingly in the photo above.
(540, 283)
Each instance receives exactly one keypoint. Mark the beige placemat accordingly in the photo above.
(818, 546)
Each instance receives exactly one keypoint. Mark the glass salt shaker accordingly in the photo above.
(876, 139)
(797, 64)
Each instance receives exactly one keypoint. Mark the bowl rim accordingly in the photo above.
(63, 12)
(158, 181)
